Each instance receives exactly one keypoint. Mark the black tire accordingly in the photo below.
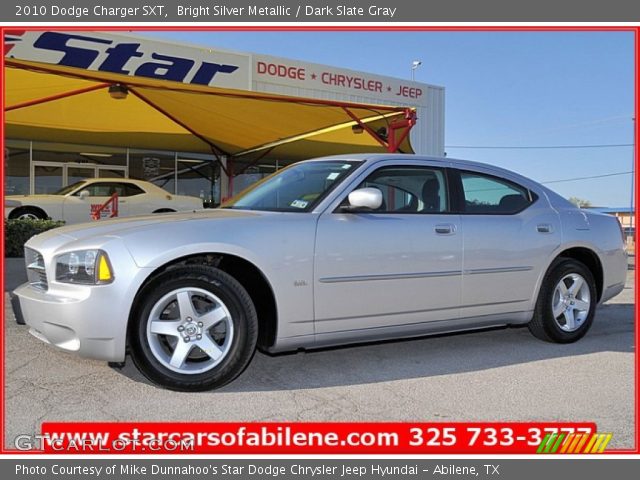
(544, 325)
(28, 212)
(242, 315)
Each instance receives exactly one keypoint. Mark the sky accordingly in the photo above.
(501, 89)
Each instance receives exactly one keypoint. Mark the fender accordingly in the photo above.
(295, 315)
(555, 254)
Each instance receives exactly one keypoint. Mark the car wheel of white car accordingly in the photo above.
(566, 304)
(195, 328)
(27, 213)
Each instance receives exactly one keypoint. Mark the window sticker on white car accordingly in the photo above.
(299, 204)
(333, 176)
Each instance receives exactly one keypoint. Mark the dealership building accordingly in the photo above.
(194, 120)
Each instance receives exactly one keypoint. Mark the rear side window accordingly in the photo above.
(488, 195)
(131, 190)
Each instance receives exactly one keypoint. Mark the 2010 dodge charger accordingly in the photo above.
(328, 251)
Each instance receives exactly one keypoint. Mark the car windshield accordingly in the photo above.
(297, 188)
(69, 188)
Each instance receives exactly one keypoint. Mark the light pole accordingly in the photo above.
(633, 178)
(414, 65)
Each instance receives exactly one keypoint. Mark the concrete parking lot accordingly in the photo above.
(501, 374)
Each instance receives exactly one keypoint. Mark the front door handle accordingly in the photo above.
(445, 229)
(545, 228)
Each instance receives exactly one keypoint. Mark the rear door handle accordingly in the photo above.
(545, 228)
(445, 229)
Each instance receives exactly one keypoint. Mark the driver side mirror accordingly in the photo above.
(84, 194)
(364, 199)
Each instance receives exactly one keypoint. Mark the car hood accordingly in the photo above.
(121, 226)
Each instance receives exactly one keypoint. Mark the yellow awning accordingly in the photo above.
(63, 104)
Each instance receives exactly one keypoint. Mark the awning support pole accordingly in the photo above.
(366, 128)
(58, 96)
(213, 146)
(217, 151)
(219, 160)
(197, 171)
(393, 143)
(407, 123)
(231, 174)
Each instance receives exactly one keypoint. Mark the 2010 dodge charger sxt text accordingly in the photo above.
(328, 251)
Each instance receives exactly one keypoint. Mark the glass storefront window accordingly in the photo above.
(75, 174)
(199, 178)
(54, 165)
(110, 173)
(156, 167)
(16, 167)
(80, 154)
(48, 179)
(63, 164)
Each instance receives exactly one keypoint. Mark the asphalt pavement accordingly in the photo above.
(500, 374)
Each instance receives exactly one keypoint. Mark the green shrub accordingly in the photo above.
(17, 232)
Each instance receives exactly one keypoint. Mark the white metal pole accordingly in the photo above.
(633, 177)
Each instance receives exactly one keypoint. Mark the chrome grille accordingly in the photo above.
(36, 272)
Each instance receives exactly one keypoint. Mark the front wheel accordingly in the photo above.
(27, 213)
(195, 328)
(566, 304)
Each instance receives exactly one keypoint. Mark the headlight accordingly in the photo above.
(87, 267)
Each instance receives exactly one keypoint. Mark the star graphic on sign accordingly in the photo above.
(388, 89)
(313, 76)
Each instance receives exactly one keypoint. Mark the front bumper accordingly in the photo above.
(17, 310)
(88, 323)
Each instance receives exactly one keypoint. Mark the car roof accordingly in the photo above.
(114, 179)
(142, 184)
(380, 157)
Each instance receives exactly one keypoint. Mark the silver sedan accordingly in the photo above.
(329, 251)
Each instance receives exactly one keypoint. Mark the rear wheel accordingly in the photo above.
(27, 213)
(566, 304)
(195, 329)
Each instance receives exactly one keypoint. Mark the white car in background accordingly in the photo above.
(76, 203)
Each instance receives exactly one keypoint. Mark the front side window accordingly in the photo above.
(295, 189)
(409, 189)
(488, 195)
